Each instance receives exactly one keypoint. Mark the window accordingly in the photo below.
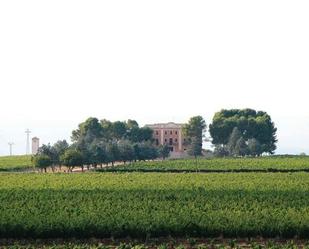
(165, 132)
(157, 133)
(176, 132)
(171, 141)
(176, 140)
(171, 132)
(157, 142)
(171, 149)
(165, 140)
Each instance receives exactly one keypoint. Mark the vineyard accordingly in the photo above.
(15, 163)
(263, 164)
(147, 205)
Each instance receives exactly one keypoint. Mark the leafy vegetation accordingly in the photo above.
(296, 163)
(250, 124)
(154, 205)
(13, 163)
(171, 243)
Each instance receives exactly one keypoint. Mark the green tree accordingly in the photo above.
(234, 137)
(241, 147)
(119, 130)
(42, 161)
(164, 151)
(195, 147)
(194, 131)
(254, 147)
(113, 153)
(58, 150)
(251, 124)
(72, 158)
(97, 153)
(88, 131)
(126, 151)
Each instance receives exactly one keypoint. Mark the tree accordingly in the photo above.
(251, 124)
(195, 148)
(49, 151)
(234, 137)
(194, 131)
(113, 153)
(87, 131)
(145, 151)
(126, 151)
(254, 147)
(72, 158)
(119, 130)
(59, 149)
(241, 147)
(42, 161)
(97, 153)
(164, 151)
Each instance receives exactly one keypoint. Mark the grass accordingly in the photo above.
(15, 163)
(143, 205)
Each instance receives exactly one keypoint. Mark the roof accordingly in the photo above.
(169, 125)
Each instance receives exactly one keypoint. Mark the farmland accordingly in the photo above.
(15, 163)
(141, 205)
(285, 164)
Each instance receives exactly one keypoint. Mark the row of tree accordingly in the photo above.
(97, 143)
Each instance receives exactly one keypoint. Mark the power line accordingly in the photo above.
(11, 145)
(28, 141)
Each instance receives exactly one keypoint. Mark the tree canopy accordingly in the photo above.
(251, 124)
(194, 131)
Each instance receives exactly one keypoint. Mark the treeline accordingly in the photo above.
(97, 143)
(101, 142)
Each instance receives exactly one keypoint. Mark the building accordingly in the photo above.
(35, 145)
(170, 134)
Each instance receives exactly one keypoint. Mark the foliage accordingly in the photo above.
(152, 204)
(251, 124)
(164, 151)
(194, 131)
(72, 158)
(42, 161)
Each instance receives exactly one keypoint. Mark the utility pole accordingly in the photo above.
(28, 141)
(11, 145)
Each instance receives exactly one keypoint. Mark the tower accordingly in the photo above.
(35, 145)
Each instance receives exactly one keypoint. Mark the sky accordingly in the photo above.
(153, 61)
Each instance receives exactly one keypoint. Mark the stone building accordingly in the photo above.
(170, 134)
(35, 145)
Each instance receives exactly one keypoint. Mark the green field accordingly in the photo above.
(153, 205)
(220, 164)
(15, 163)
(171, 243)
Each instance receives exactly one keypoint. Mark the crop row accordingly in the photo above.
(154, 205)
(220, 164)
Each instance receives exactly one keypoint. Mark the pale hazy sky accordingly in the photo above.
(153, 61)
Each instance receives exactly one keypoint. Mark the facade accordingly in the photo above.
(170, 134)
(35, 145)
